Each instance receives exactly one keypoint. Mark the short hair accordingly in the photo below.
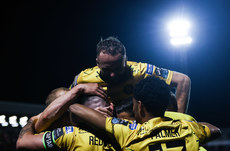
(91, 101)
(112, 46)
(55, 94)
(125, 106)
(154, 94)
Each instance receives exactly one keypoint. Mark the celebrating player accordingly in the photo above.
(118, 76)
(152, 131)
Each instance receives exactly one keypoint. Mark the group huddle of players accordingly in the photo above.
(118, 105)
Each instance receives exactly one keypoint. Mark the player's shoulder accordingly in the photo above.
(91, 70)
(141, 68)
(64, 130)
(127, 124)
(179, 116)
(136, 64)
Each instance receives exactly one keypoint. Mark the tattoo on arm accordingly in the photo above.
(27, 128)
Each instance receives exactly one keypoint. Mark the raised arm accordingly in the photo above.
(27, 139)
(183, 84)
(89, 116)
(61, 104)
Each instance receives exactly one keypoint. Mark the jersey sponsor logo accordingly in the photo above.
(133, 126)
(68, 129)
(149, 69)
(119, 121)
(161, 72)
(48, 140)
(57, 133)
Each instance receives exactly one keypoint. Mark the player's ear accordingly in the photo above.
(139, 106)
(97, 61)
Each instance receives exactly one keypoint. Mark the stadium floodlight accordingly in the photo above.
(4, 124)
(13, 121)
(179, 41)
(3, 121)
(179, 32)
(2, 118)
(23, 121)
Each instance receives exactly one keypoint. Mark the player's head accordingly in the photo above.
(151, 98)
(92, 102)
(124, 109)
(111, 59)
(64, 119)
(55, 94)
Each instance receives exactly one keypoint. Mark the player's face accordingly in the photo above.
(136, 110)
(112, 68)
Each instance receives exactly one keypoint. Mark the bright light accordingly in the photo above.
(2, 118)
(4, 124)
(179, 31)
(179, 25)
(13, 121)
(181, 41)
(23, 121)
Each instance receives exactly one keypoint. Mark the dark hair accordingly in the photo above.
(112, 46)
(125, 106)
(154, 93)
(54, 94)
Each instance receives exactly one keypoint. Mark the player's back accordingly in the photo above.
(158, 134)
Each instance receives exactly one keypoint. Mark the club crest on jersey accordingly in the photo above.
(68, 129)
(133, 126)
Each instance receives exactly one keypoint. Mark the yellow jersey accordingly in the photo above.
(124, 90)
(73, 138)
(160, 133)
(178, 116)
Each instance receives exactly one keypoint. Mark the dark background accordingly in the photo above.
(44, 44)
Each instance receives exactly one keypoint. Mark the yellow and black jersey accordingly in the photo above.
(73, 138)
(123, 90)
(179, 116)
(158, 134)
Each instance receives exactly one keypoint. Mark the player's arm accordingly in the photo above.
(27, 139)
(182, 83)
(61, 104)
(89, 116)
(215, 131)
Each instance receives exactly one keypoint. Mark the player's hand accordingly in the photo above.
(106, 111)
(93, 89)
(35, 118)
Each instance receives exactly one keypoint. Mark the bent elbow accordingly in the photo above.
(187, 81)
(19, 145)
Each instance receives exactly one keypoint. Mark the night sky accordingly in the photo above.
(44, 44)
